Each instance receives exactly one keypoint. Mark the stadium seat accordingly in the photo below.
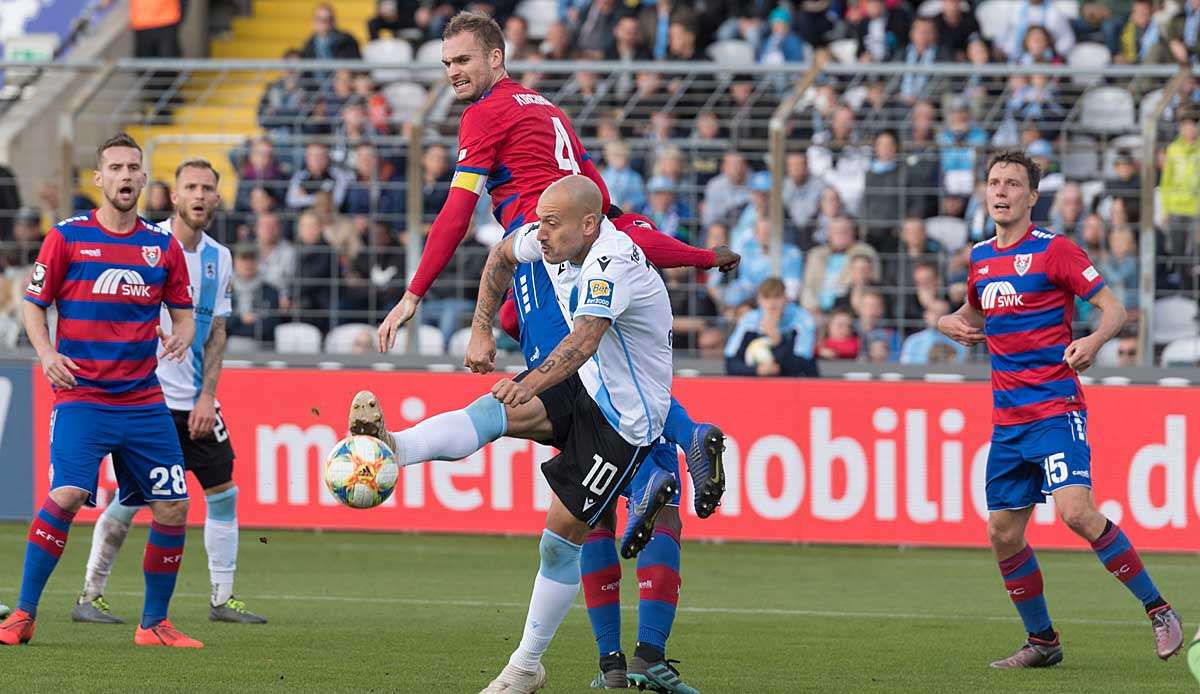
(391, 52)
(341, 339)
(1182, 352)
(430, 52)
(993, 16)
(235, 344)
(10, 331)
(1107, 110)
(1107, 357)
(540, 14)
(1131, 143)
(951, 232)
(1174, 319)
(1091, 191)
(731, 52)
(1089, 59)
(406, 99)
(1080, 159)
(1148, 105)
(458, 343)
(297, 338)
(844, 50)
(855, 96)
(430, 341)
(1067, 8)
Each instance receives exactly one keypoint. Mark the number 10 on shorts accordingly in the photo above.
(600, 476)
(1056, 468)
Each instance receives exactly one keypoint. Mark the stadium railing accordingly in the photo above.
(210, 108)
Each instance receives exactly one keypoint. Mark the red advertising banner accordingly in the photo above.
(808, 460)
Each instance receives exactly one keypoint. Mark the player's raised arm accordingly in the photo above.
(573, 352)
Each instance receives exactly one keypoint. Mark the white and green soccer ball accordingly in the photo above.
(361, 471)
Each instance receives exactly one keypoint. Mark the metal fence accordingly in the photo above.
(808, 129)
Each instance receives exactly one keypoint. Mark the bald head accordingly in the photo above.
(576, 192)
(569, 214)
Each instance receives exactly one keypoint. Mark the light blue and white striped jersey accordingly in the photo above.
(210, 268)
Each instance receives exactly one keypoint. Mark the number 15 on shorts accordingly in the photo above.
(1056, 469)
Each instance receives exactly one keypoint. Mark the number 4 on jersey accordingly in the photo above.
(562, 147)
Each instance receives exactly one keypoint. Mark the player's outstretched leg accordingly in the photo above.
(109, 534)
(705, 447)
(1123, 562)
(601, 569)
(164, 555)
(221, 545)
(46, 542)
(554, 590)
(452, 435)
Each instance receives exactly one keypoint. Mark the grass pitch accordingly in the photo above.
(399, 613)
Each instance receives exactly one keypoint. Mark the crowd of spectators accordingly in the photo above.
(875, 173)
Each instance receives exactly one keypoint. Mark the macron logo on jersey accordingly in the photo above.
(125, 282)
(1000, 295)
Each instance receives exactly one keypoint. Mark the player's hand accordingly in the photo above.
(1081, 354)
(174, 348)
(481, 352)
(396, 318)
(203, 417)
(958, 329)
(58, 369)
(512, 393)
(725, 259)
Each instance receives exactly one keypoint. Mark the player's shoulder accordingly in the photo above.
(979, 250)
(161, 228)
(72, 222)
(1044, 234)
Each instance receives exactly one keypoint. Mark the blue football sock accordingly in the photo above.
(1023, 581)
(679, 427)
(1122, 561)
(46, 542)
(164, 554)
(658, 579)
(601, 570)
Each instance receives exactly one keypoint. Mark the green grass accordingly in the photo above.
(400, 613)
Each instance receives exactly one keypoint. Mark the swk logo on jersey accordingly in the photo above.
(114, 281)
(1000, 295)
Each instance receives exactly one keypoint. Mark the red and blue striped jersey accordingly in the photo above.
(108, 288)
(514, 143)
(1026, 293)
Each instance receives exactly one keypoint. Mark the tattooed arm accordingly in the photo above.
(495, 281)
(204, 413)
(572, 353)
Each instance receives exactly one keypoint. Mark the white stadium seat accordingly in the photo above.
(1108, 356)
(1107, 110)
(994, 15)
(951, 232)
(390, 52)
(539, 14)
(297, 338)
(235, 344)
(341, 339)
(406, 99)
(1088, 59)
(1174, 319)
(1182, 352)
(844, 50)
(1080, 159)
(430, 52)
(430, 342)
(731, 52)
(1148, 105)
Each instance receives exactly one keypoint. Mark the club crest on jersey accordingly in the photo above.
(599, 293)
(1022, 262)
(151, 254)
(37, 280)
(210, 271)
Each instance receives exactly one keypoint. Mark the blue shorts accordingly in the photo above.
(542, 323)
(665, 456)
(149, 464)
(1031, 461)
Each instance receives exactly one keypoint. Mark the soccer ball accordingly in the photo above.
(759, 352)
(361, 471)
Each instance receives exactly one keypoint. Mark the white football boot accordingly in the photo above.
(514, 681)
(366, 418)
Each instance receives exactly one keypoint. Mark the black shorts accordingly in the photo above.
(211, 458)
(595, 462)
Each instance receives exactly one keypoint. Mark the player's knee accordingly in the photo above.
(1003, 535)
(488, 417)
(69, 499)
(669, 519)
(1078, 518)
(170, 512)
(559, 558)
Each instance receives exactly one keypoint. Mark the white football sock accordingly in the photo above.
(221, 542)
(452, 435)
(109, 534)
(554, 591)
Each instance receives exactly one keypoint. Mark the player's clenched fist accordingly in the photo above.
(512, 393)
(481, 352)
(960, 330)
(725, 259)
(1081, 354)
(58, 369)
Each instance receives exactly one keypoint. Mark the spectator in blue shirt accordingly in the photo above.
(960, 141)
(626, 188)
(666, 210)
(918, 346)
(742, 233)
(781, 44)
(775, 339)
(757, 263)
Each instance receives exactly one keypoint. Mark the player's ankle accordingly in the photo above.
(648, 653)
